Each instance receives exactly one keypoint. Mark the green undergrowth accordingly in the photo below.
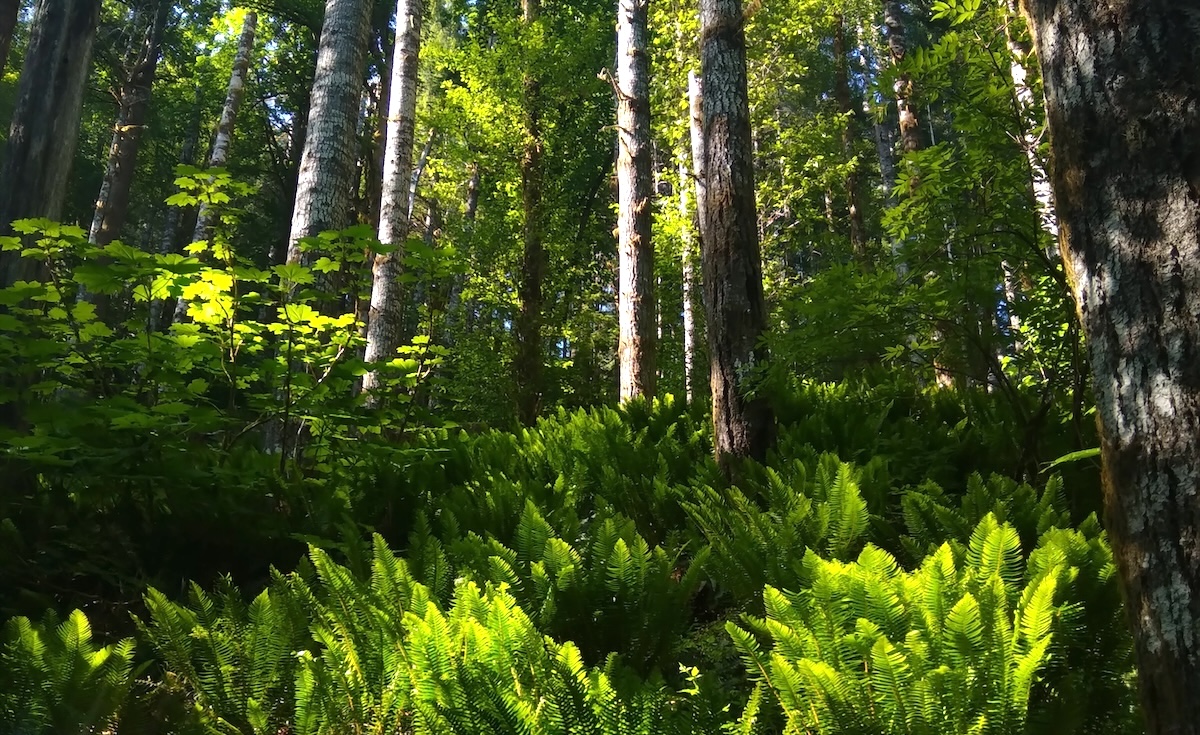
(592, 574)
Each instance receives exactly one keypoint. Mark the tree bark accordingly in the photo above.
(1122, 82)
(635, 183)
(1026, 109)
(902, 87)
(9, 9)
(325, 187)
(528, 360)
(385, 321)
(234, 95)
(112, 203)
(45, 123)
(696, 152)
(858, 236)
(743, 423)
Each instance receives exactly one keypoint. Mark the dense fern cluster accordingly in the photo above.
(596, 574)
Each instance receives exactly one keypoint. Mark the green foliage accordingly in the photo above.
(965, 643)
(55, 679)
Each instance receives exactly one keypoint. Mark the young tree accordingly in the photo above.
(743, 423)
(694, 152)
(635, 183)
(45, 123)
(528, 361)
(1122, 82)
(384, 324)
(133, 99)
(236, 91)
(325, 187)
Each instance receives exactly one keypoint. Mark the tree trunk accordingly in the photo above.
(687, 248)
(112, 204)
(9, 9)
(528, 360)
(419, 170)
(45, 123)
(902, 87)
(219, 155)
(743, 424)
(1122, 82)
(696, 151)
(858, 235)
(325, 188)
(1026, 109)
(635, 300)
(384, 324)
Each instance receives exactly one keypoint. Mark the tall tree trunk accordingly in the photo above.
(858, 235)
(45, 123)
(743, 425)
(112, 204)
(902, 87)
(696, 176)
(325, 188)
(385, 321)
(635, 299)
(9, 9)
(686, 264)
(528, 360)
(1122, 81)
(236, 92)
(219, 154)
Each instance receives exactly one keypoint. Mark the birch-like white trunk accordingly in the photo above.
(384, 323)
(635, 302)
(694, 177)
(325, 187)
(234, 95)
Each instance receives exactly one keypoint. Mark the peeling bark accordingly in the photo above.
(902, 87)
(635, 183)
(743, 424)
(1122, 82)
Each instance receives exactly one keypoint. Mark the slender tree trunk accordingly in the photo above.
(635, 300)
(743, 424)
(1122, 81)
(419, 170)
(219, 156)
(160, 310)
(693, 150)
(385, 322)
(686, 264)
(1027, 110)
(112, 204)
(45, 123)
(9, 9)
(325, 187)
(528, 360)
(858, 235)
(910, 126)
(696, 132)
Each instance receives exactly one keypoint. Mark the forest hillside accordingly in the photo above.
(562, 367)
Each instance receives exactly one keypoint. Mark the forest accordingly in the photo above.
(567, 367)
